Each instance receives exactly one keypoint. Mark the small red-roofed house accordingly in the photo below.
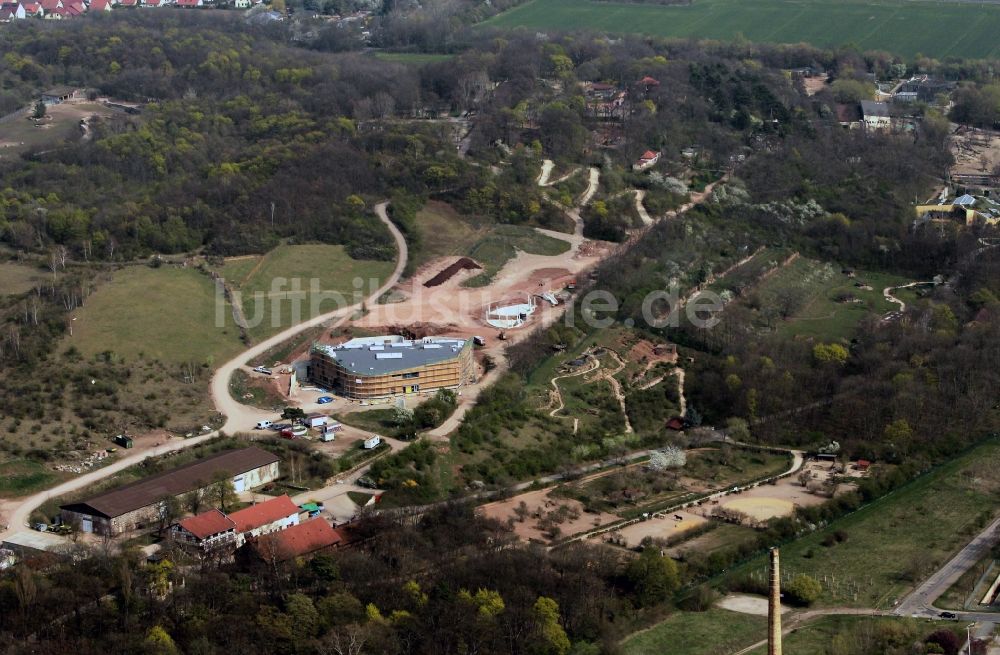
(297, 541)
(100, 5)
(188, 4)
(648, 160)
(32, 9)
(208, 530)
(649, 82)
(676, 424)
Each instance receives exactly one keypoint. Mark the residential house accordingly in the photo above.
(676, 423)
(31, 9)
(189, 4)
(241, 4)
(647, 160)
(100, 5)
(207, 531)
(875, 115)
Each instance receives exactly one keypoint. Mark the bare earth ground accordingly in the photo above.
(972, 148)
(769, 501)
(541, 502)
(744, 604)
(663, 527)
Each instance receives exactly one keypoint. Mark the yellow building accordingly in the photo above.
(381, 367)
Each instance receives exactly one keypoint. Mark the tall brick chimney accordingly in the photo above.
(774, 608)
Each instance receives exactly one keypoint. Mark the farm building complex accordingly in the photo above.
(138, 504)
(378, 367)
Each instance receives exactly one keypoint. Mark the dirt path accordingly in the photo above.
(682, 399)
(616, 386)
(887, 293)
(640, 195)
(543, 177)
(592, 181)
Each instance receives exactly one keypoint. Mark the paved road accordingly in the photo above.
(921, 601)
(239, 417)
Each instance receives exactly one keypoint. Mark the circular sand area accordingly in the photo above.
(761, 508)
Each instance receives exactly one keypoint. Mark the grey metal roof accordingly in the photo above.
(375, 359)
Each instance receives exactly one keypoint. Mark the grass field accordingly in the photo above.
(16, 279)
(413, 57)
(21, 477)
(21, 134)
(813, 299)
(935, 29)
(698, 633)
(821, 635)
(900, 539)
(444, 232)
(165, 313)
(274, 284)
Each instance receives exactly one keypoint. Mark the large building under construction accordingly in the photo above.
(381, 367)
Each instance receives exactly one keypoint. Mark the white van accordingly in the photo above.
(263, 425)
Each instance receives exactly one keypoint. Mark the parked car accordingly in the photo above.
(949, 615)
(262, 369)
(322, 400)
(263, 425)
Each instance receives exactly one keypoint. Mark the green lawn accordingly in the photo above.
(413, 57)
(698, 633)
(936, 29)
(825, 317)
(277, 288)
(900, 539)
(821, 635)
(18, 278)
(21, 477)
(444, 232)
(166, 313)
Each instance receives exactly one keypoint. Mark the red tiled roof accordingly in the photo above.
(675, 423)
(650, 81)
(649, 154)
(49, 5)
(100, 5)
(31, 7)
(206, 524)
(297, 540)
(264, 513)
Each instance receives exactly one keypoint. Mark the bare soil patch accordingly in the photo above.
(544, 514)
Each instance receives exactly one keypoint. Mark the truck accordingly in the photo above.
(315, 420)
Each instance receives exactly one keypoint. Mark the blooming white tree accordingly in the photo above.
(668, 458)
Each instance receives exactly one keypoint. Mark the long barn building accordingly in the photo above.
(138, 504)
(381, 367)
